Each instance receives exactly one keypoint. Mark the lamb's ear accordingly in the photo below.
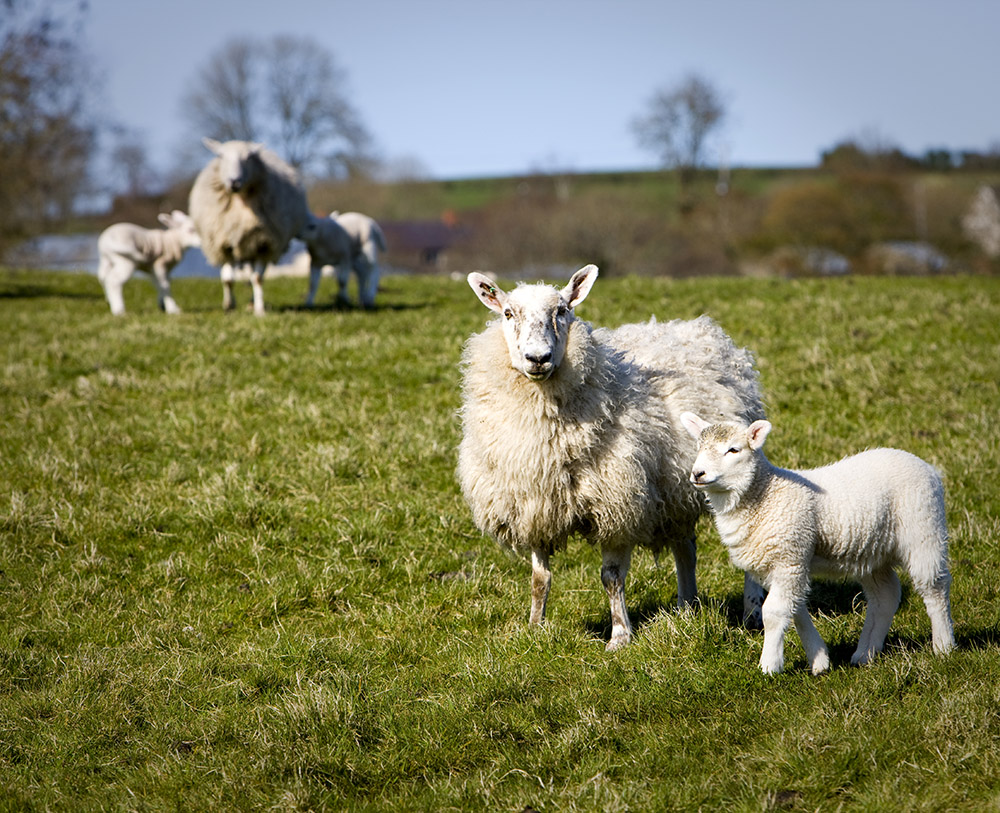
(212, 145)
(579, 285)
(492, 297)
(165, 219)
(757, 433)
(694, 425)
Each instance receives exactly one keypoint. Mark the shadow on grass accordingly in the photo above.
(337, 307)
(31, 291)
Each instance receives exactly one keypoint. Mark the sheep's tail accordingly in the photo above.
(379, 237)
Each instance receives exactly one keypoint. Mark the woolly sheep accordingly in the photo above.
(345, 241)
(125, 248)
(567, 429)
(858, 518)
(247, 204)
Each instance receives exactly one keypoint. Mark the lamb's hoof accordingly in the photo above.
(618, 642)
(862, 658)
(821, 663)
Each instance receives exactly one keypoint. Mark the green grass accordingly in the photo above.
(236, 571)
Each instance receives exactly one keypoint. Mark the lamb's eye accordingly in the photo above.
(732, 450)
(508, 314)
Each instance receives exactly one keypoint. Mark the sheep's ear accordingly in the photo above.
(165, 219)
(492, 297)
(694, 425)
(757, 433)
(579, 285)
(212, 145)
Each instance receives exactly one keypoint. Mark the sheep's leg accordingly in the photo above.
(938, 605)
(777, 613)
(614, 569)
(343, 271)
(113, 277)
(882, 590)
(162, 280)
(685, 557)
(257, 284)
(812, 641)
(228, 275)
(541, 581)
(753, 600)
(315, 272)
(368, 273)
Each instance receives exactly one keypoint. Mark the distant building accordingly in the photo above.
(421, 243)
(981, 223)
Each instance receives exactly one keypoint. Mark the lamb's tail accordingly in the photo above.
(379, 237)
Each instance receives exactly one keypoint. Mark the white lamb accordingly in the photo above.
(346, 241)
(247, 204)
(125, 248)
(569, 430)
(858, 518)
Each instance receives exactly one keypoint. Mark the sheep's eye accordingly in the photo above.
(732, 450)
(508, 314)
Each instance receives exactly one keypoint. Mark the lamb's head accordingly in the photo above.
(728, 453)
(238, 161)
(309, 232)
(181, 223)
(536, 319)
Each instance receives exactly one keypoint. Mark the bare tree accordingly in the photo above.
(678, 123)
(287, 92)
(48, 133)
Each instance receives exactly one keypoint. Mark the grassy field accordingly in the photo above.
(236, 571)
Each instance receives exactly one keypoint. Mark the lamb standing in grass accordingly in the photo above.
(346, 241)
(572, 430)
(247, 204)
(125, 248)
(858, 518)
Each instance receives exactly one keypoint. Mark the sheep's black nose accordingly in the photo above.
(697, 475)
(540, 359)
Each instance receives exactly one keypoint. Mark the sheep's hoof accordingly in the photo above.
(821, 663)
(617, 642)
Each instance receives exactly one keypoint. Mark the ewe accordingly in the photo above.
(125, 248)
(858, 518)
(572, 430)
(247, 204)
(346, 241)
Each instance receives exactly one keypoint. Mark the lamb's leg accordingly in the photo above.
(541, 581)
(367, 280)
(777, 613)
(113, 277)
(614, 569)
(227, 274)
(938, 604)
(162, 280)
(343, 271)
(315, 272)
(812, 641)
(882, 590)
(753, 600)
(257, 284)
(685, 557)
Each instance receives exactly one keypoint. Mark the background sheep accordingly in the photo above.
(125, 248)
(346, 241)
(572, 430)
(247, 204)
(858, 518)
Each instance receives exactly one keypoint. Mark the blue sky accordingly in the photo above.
(495, 87)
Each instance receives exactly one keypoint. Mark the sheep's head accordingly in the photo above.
(181, 223)
(536, 319)
(237, 161)
(727, 453)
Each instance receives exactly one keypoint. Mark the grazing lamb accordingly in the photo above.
(345, 241)
(858, 518)
(125, 248)
(569, 430)
(247, 204)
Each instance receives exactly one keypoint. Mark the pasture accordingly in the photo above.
(236, 571)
